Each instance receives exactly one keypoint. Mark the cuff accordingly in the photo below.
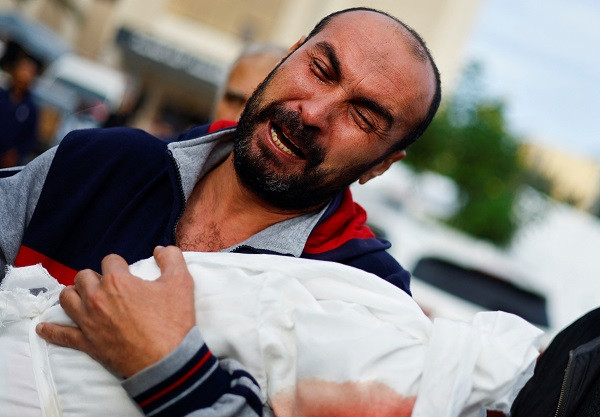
(186, 379)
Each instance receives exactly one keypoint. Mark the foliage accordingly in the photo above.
(469, 141)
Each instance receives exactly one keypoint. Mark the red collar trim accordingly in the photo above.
(27, 257)
(346, 223)
(220, 124)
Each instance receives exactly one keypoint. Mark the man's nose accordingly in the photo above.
(317, 111)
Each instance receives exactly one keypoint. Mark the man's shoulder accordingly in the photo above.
(111, 141)
(122, 134)
(97, 150)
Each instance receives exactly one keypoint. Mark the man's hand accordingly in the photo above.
(124, 322)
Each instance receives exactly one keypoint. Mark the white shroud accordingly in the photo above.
(293, 323)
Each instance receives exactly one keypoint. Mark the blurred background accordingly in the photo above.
(497, 207)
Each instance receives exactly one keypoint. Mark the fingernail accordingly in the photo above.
(159, 248)
(39, 327)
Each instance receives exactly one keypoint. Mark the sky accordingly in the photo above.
(543, 58)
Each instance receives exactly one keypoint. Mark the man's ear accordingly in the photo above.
(296, 45)
(381, 167)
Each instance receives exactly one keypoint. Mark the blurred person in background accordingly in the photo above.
(342, 106)
(250, 68)
(18, 112)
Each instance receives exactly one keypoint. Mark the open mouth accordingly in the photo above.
(284, 143)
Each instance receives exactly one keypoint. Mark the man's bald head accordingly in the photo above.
(420, 52)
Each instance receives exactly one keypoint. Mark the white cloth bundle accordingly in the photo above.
(295, 324)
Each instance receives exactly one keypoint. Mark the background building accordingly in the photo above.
(572, 178)
(178, 50)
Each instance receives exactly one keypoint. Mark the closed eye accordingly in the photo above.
(363, 120)
(320, 70)
(373, 114)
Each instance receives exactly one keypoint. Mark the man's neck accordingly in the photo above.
(221, 212)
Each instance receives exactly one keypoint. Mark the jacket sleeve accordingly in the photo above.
(190, 381)
(382, 264)
(20, 190)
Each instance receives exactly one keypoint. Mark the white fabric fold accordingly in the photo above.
(288, 321)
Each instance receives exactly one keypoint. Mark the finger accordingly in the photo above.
(66, 336)
(114, 266)
(71, 302)
(85, 282)
(170, 261)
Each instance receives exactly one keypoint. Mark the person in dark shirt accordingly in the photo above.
(18, 113)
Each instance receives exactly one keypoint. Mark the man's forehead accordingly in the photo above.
(367, 22)
(373, 45)
(365, 38)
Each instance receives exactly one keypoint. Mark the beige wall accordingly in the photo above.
(249, 19)
(216, 30)
(573, 178)
(444, 24)
(89, 30)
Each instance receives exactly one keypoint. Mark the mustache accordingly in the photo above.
(304, 136)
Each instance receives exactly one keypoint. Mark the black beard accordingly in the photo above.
(263, 174)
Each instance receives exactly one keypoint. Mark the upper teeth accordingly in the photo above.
(278, 143)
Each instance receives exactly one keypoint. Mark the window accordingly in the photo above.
(482, 288)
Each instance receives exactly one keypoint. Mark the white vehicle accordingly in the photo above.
(81, 93)
(79, 79)
(454, 275)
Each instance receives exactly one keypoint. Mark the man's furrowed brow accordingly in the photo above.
(329, 50)
(377, 108)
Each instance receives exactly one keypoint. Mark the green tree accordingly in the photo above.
(469, 141)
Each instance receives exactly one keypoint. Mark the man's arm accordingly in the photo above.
(145, 331)
(191, 381)
(19, 193)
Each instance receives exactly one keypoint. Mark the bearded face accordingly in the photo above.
(336, 109)
(306, 184)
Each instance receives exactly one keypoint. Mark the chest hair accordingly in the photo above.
(200, 237)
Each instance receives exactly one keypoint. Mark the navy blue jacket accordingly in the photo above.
(118, 191)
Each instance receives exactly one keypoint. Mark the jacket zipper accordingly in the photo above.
(181, 194)
(182, 209)
(564, 387)
(242, 248)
